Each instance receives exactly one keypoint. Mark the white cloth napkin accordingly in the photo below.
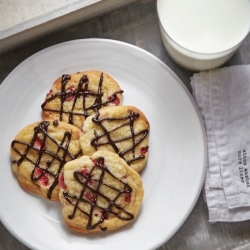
(223, 97)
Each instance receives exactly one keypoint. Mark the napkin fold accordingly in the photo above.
(223, 97)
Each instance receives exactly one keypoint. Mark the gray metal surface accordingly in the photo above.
(137, 24)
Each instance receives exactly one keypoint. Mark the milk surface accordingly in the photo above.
(205, 26)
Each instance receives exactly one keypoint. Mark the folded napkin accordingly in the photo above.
(223, 97)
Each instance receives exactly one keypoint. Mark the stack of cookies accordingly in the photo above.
(86, 152)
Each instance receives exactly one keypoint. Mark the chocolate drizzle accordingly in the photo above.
(128, 121)
(63, 148)
(111, 206)
(55, 123)
(82, 92)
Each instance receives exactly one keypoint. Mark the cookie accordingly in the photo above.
(39, 153)
(121, 129)
(73, 97)
(99, 193)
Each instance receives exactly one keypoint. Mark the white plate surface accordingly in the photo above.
(175, 170)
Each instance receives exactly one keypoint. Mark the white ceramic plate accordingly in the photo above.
(175, 170)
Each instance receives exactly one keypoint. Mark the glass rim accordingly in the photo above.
(197, 52)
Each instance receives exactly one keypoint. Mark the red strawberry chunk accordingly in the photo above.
(38, 143)
(70, 93)
(94, 161)
(41, 176)
(49, 94)
(90, 196)
(144, 150)
(61, 182)
(128, 197)
(44, 180)
(38, 172)
(85, 171)
(114, 99)
(106, 216)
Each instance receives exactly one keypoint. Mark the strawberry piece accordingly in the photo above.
(49, 94)
(70, 93)
(94, 161)
(85, 171)
(90, 196)
(61, 182)
(41, 176)
(38, 143)
(38, 172)
(114, 99)
(101, 214)
(144, 150)
(106, 216)
(44, 180)
(128, 198)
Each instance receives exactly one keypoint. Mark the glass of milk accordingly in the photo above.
(203, 34)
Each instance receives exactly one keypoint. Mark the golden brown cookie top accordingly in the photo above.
(121, 129)
(73, 97)
(100, 192)
(39, 153)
